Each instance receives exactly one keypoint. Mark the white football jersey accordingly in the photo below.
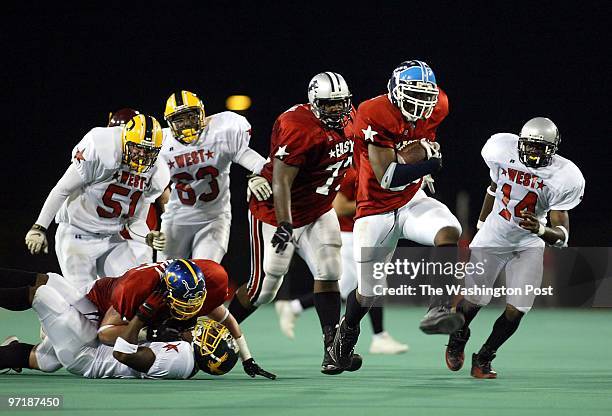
(173, 360)
(200, 171)
(112, 194)
(558, 186)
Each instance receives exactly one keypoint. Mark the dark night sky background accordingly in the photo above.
(63, 70)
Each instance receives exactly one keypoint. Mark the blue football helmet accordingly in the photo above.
(186, 288)
(413, 89)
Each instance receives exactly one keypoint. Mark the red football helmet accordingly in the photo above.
(120, 117)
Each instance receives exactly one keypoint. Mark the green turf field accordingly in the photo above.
(558, 363)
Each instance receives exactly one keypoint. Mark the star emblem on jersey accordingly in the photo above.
(541, 185)
(169, 347)
(210, 154)
(116, 175)
(369, 133)
(78, 155)
(332, 153)
(504, 172)
(281, 152)
(170, 164)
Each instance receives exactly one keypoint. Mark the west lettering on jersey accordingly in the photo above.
(526, 179)
(193, 158)
(134, 181)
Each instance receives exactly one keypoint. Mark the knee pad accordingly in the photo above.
(46, 358)
(48, 303)
(329, 263)
(277, 264)
(269, 289)
(71, 294)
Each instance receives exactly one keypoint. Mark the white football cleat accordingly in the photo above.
(383, 343)
(286, 317)
(9, 340)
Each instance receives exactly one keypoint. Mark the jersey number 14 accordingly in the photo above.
(527, 203)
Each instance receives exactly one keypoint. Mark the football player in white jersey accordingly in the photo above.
(114, 176)
(142, 252)
(199, 151)
(528, 182)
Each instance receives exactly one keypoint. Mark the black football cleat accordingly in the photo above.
(343, 347)
(481, 366)
(8, 341)
(455, 347)
(329, 365)
(440, 320)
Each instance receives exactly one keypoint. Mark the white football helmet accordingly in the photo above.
(330, 99)
(538, 142)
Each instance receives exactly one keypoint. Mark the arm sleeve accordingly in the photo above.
(251, 160)
(70, 182)
(238, 140)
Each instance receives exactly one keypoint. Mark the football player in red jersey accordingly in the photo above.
(390, 202)
(311, 150)
(180, 289)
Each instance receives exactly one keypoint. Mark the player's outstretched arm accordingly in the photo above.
(487, 204)
(222, 315)
(36, 238)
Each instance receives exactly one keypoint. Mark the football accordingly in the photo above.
(410, 152)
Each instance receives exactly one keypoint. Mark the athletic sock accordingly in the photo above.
(238, 311)
(503, 328)
(376, 318)
(307, 301)
(15, 355)
(15, 298)
(327, 305)
(354, 311)
(468, 310)
(16, 278)
(442, 254)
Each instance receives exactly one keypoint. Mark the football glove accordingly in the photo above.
(432, 148)
(258, 186)
(152, 305)
(157, 240)
(36, 239)
(253, 369)
(282, 236)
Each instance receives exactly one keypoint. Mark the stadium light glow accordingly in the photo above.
(238, 102)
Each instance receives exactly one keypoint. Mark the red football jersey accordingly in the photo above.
(348, 187)
(323, 155)
(381, 123)
(126, 293)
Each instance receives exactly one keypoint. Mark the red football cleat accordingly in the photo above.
(481, 367)
(454, 349)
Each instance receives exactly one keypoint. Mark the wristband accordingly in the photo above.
(479, 224)
(39, 228)
(542, 230)
(142, 334)
(227, 312)
(245, 354)
(490, 191)
(125, 347)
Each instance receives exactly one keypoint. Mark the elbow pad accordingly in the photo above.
(398, 176)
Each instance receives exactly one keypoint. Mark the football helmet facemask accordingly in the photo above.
(185, 116)
(538, 142)
(141, 140)
(330, 99)
(120, 117)
(215, 350)
(413, 89)
(186, 288)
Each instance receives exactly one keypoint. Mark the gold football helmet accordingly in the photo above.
(215, 350)
(142, 140)
(185, 116)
